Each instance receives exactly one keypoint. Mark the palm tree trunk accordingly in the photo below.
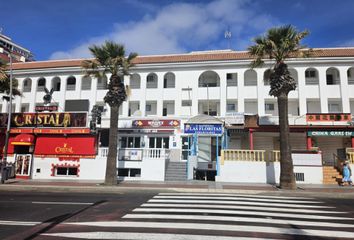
(111, 166)
(287, 178)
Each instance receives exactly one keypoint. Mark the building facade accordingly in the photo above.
(207, 92)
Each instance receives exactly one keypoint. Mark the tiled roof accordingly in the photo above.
(181, 58)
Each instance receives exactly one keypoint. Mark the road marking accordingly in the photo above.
(221, 227)
(238, 207)
(235, 198)
(237, 203)
(18, 223)
(144, 236)
(63, 203)
(232, 195)
(216, 211)
(239, 219)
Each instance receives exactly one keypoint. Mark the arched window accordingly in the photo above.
(293, 73)
(169, 80)
(41, 84)
(71, 83)
(209, 79)
(151, 80)
(350, 74)
(102, 83)
(135, 81)
(250, 78)
(27, 85)
(86, 82)
(311, 76)
(266, 77)
(56, 83)
(332, 76)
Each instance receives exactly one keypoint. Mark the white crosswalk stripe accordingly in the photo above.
(224, 217)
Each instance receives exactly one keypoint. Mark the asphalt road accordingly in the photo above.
(155, 215)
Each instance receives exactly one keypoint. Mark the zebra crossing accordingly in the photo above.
(224, 217)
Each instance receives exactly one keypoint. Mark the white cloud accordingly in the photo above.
(348, 43)
(180, 27)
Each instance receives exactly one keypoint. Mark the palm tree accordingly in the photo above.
(5, 81)
(110, 58)
(280, 44)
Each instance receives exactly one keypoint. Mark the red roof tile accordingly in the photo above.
(180, 58)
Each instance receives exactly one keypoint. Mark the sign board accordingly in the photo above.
(203, 128)
(41, 108)
(330, 117)
(130, 154)
(46, 119)
(156, 123)
(235, 118)
(330, 133)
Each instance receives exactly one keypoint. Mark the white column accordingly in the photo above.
(195, 85)
(241, 90)
(125, 104)
(344, 89)
(223, 93)
(261, 91)
(301, 90)
(159, 98)
(33, 94)
(323, 89)
(143, 93)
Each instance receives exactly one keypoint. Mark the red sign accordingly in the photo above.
(156, 123)
(60, 145)
(46, 108)
(61, 130)
(329, 117)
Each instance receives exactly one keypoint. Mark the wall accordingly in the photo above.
(90, 169)
(269, 172)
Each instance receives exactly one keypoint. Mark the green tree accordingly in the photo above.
(5, 80)
(278, 45)
(110, 58)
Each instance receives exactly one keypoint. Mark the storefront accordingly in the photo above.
(49, 145)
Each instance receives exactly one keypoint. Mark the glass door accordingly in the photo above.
(23, 164)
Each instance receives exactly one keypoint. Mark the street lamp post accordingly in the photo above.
(4, 161)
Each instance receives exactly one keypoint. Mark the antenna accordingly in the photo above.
(228, 36)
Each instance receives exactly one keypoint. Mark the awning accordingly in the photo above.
(23, 139)
(61, 145)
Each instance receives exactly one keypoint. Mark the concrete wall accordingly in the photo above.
(269, 172)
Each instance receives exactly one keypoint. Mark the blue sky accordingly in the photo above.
(58, 29)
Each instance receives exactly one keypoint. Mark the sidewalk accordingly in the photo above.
(182, 186)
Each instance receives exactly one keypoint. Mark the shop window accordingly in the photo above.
(130, 142)
(129, 172)
(77, 105)
(66, 171)
(159, 142)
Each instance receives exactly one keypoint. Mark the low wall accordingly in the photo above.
(151, 169)
(308, 168)
(88, 168)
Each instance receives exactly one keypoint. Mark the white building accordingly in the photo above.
(168, 91)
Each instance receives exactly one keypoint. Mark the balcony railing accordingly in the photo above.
(137, 154)
(242, 155)
(350, 155)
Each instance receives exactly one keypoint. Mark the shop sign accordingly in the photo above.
(63, 119)
(235, 117)
(330, 133)
(155, 123)
(203, 128)
(41, 108)
(336, 117)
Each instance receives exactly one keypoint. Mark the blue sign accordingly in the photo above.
(203, 128)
